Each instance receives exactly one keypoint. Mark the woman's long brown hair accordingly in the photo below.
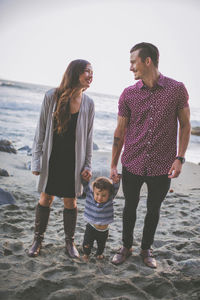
(65, 91)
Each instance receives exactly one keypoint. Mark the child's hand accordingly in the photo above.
(86, 174)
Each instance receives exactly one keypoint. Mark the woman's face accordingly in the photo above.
(86, 77)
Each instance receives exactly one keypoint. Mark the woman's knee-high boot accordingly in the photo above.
(69, 219)
(41, 221)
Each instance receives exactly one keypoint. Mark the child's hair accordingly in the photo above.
(103, 183)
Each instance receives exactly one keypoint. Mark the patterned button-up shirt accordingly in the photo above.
(151, 138)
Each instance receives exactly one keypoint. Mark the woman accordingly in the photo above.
(62, 150)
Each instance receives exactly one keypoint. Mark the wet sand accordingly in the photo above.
(53, 275)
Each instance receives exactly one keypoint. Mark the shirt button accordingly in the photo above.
(151, 118)
(151, 106)
(148, 143)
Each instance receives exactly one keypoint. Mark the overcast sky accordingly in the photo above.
(39, 38)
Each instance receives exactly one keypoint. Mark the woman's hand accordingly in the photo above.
(86, 174)
(114, 175)
(35, 173)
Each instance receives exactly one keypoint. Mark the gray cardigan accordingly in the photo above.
(42, 144)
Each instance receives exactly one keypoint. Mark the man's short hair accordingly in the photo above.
(147, 50)
(103, 183)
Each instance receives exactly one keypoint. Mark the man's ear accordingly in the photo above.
(148, 61)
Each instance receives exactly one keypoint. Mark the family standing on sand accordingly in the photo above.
(149, 113)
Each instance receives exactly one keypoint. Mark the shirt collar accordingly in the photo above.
(160, 82)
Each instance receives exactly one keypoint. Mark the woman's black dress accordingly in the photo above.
(61, 178)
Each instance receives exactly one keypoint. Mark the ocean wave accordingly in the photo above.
(11, 85)
(13, 106)
(24, 86)
(105, 115)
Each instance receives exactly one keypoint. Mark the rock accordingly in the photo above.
(195, 131)
(6, 198)
(6, 146)
(26, 149)
(95, 146)
(3, 172)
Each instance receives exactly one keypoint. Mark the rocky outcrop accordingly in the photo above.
(7, 146)
(195, 131)
(3, 172)
(26, 149)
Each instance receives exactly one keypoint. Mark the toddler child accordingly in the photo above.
(98, 213)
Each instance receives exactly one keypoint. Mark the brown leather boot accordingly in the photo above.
(41, 221)
(69, 219)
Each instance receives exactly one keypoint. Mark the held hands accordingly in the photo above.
(114, 175)
(35, 173)
(175, 169)
(86, 174)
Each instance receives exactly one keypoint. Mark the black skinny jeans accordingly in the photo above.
(158, 187)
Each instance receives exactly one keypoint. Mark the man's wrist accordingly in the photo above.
(181, 159)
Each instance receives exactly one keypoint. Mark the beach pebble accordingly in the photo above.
(6, 197)
(7, 146)
(3, 172)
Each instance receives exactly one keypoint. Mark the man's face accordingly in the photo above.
(138, 67)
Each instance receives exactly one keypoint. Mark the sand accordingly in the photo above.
(53, 275)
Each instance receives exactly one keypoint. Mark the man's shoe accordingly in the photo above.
(35, 248)
(121, 255)
(148, 258)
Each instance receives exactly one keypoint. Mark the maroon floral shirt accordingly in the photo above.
(151, 139)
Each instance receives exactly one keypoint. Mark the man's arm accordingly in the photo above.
(118, 142)
(184, 136)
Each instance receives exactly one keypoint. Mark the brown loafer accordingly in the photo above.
(121, 255)
(148, 258)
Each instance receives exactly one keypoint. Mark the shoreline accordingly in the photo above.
(53, 275)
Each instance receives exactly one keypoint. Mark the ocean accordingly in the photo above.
(20, 106)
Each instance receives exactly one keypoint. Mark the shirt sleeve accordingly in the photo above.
(89, 145)
(183, 97)
(123, 109)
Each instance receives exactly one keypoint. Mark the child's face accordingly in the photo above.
(100, 196)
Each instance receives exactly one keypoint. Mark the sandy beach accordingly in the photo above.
(53, 275)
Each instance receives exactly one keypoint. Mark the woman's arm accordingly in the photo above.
(89, 143)
(39, 137)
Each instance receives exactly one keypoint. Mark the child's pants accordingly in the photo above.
(92, 234)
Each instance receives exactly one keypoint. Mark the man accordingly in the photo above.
(148, 115)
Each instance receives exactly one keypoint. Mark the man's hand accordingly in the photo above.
(35, 173)
(86, 174)
(175, 169)
(114, 175)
